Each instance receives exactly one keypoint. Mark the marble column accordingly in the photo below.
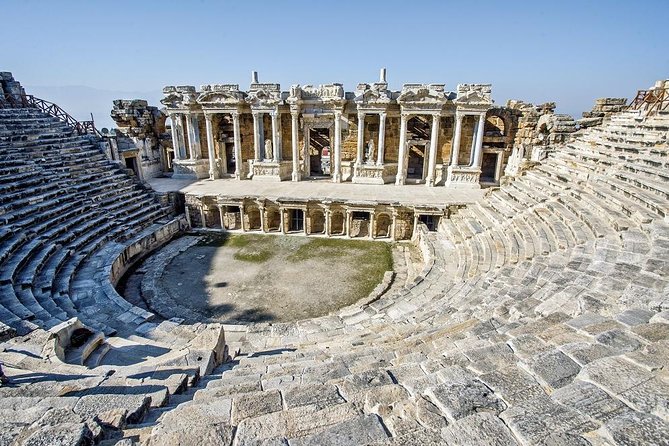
(337, 148)
(328, 218)
(361, 137)
(294, 143)
(276, 140)
(175, 137)
(434, 139)
(304, 221)
(382, 138)
(182, 137)
(401, 160)
(347, 223)
(262, 218)
(238, 145)
(393, 224)
(476, 160)
(210, 146)
(203, 217)
(187, 213)
(257, 137)
(455, 150)
(220, 217)
(415, 225)
(193, 136)
(371, 225)
(241, 217)
(282, 220)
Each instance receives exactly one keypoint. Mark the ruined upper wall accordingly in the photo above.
(10, 88)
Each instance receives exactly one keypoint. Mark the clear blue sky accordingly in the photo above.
(567, 51)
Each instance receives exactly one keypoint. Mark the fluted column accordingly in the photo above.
(182, 136)
(455, 150)
(193, 136)
(434, 138)
(256, 135)
(382, 138)
(210, 146)
(238, 145)
(294, 146)
(276, 149)
(361, 137)
(476, 160)
(175, 137)
(337, 148)
(241, 216)
(401, 161)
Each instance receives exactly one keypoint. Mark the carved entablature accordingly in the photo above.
(422, 97)
(221, 96)
(183, 97)
(474, 96)
(372, 96)
(264, 96)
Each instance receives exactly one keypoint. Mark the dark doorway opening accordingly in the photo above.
(319, 152)
(488, 167)
(296, 220)
(431, 221)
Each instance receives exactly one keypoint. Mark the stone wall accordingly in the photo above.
(9, 87)
(141, 127)
(603, 108)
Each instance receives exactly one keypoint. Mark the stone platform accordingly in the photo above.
(406, 195)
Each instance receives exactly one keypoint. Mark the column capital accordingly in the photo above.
(405, 116)
(295, 113)
(209, 116)
(235, 113)
(361, 114)
(383, 114)
(337, 114)
(255, 113)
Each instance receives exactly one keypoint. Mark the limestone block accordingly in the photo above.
(360, 430)
(318, 395)
(255, 404)
(589, 400)
(632, 428)
(480, 428)
(460, 400)
(553, 369)
(76, 434)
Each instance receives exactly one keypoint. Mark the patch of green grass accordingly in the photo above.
(372, 265)
(253, 257)
(252, 248)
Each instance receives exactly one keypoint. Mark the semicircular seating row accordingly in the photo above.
(61, 201)
(543, 320)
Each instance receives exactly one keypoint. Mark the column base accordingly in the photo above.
(460, 177)
(273, 171)
(375, 173)
(193, 169)
(296, 176)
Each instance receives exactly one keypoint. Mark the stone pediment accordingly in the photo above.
(264, 95)
(474, 94)
(372, 95)
(221, 95)
(325, 93)
(179, 97)
(422, 96)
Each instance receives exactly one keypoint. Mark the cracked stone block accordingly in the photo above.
(360, 430)
(65, 433)
(653, 332)
(651, 396)
(634, 428)
(460, 400)
(554, 369)
(584, 353)
(512, 384)
(429, 415)
(478, 429)
(615, 374)
(635, 316)
(352, 385)
(379, 399)
(525, 346)
(90, 406)
(186, 431)
(255, 404)
(319, 395)
(619, 340)
(652, 356)
(590, 400)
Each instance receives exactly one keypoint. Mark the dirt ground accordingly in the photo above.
(268, 278)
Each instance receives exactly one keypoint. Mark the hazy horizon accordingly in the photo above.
(82, 55)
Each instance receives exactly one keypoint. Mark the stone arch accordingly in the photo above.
(495, 126)
(272, 219)
(337, 223)
(383, 225)
(316, 222)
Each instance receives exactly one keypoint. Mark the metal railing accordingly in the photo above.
(650, 101)
(30, 101)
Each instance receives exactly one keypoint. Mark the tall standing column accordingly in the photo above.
(238, 145)
(175, 137)
(210, 146)
(256, 135)
(455, 150)
(282, 220)
(347, 224)
(401, 161)
(328, 217)
(220, 217)
(337, 148)
(241, 217)
(382, 138)
(276, 149)
(361, 137)
(476, 161)
(262, 218)
(182, 137)
(371, 225)
(193, 136)
(434, 138)
(294, 145)
(393, 224)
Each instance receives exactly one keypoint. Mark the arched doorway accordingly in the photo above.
(317, 222)
(383, 222)
(337, 223)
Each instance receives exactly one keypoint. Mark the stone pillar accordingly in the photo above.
(175, 136)
(337, 149)
(347, 223)
(328, 217)
(182, 137)
(276, 146)
(241, 216)
(476, 160)
(393, 224)
(210, 146)
(262, 218)
(187, 212)
(220, 217)
(371, 225)
(282, 220)
(203, 217)
(193, 136)
(455, 150)
(382, 139)
(434, 139)
(415, 224)
(304, 221)
(295, 149)
(238, 145)
(361, 137)
(401, 161)
(257, 137)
